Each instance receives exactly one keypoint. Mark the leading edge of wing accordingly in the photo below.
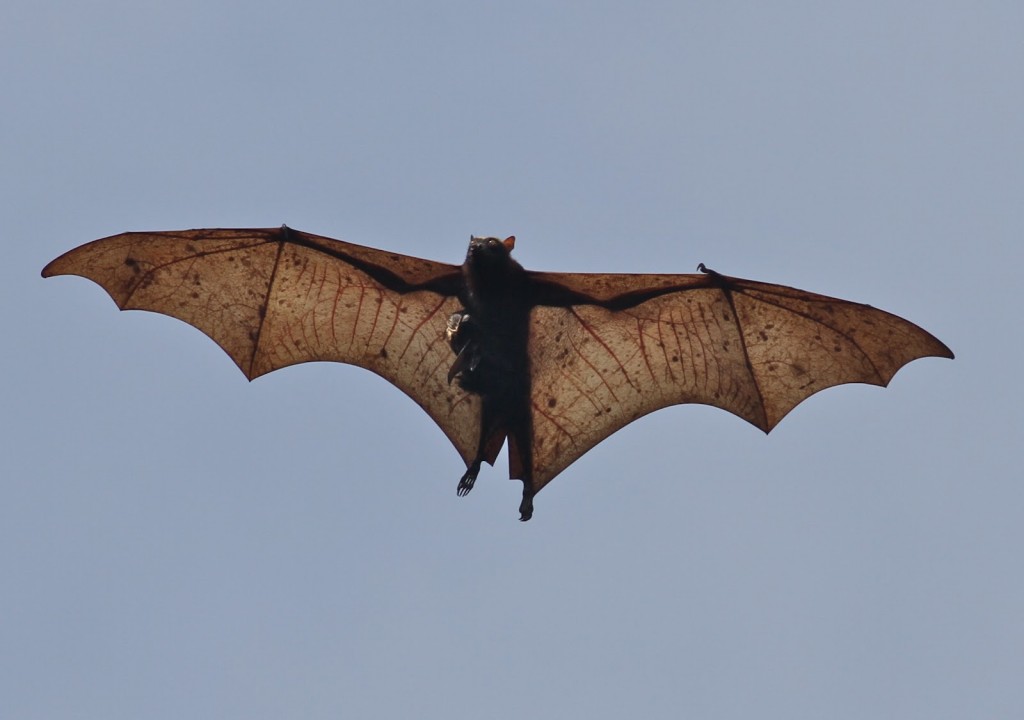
(617, 291)
(236, 269)
(394, 270)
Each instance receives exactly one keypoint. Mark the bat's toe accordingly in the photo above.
(467, 480)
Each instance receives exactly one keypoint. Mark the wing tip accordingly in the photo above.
(937, 348)
(53, 268)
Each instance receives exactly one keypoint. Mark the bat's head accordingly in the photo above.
(489, 253)
(485, 247)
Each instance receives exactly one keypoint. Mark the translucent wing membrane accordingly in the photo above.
(645, 342)
(276, 297)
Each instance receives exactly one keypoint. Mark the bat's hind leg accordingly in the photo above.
(489, 443)
(526, 506)
(467, 481)
(520, 465)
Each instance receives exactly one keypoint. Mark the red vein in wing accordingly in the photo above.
(582, 390)
(591, 365)
(551, 420)
(664, 350)
(355, 320)
(319, 285)
(428, 351)
(191, 257)
(607, 349)
(431, 373)
(376, 317)
(266, 309)
(643, 347)
(746, 354)
(817, 321)
(394, 322)
(461, 399)
(706, 375)
(334, 307)
(419, 326)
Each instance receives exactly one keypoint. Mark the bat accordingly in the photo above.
(551, 362)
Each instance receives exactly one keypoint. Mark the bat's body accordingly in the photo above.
(552, 362)
(490, 337)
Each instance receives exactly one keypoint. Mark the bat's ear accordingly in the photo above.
(509, 242)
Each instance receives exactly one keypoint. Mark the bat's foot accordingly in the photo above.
(467, 481)
(526, 507)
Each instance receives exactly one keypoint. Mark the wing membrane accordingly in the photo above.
(276, 297)
(640, 343)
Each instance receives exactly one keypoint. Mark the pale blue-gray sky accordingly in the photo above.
(176, 542)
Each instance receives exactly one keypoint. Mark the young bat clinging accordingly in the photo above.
(552, 362)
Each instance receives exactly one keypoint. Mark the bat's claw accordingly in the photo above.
(467, 481)
(526, 507)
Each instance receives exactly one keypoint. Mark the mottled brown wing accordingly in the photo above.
(643, 342)
(278, 297)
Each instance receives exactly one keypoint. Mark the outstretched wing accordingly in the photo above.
(613, 348)
(278, 297)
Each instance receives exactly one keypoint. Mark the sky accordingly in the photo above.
(178, 542)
